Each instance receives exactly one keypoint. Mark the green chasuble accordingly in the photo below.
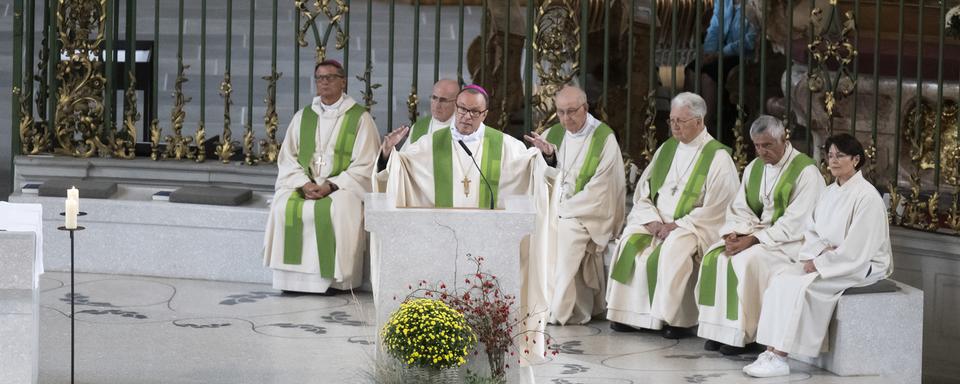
(624, 267)
(592, 161)
(419, 129)
(323, 222)
(781, 198)
(443, 167)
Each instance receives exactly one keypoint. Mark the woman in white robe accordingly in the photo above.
(847, 245)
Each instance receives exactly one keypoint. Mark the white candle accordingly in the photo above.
(72, 208)
(73, 194)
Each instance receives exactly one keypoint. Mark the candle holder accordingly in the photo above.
(72, 296)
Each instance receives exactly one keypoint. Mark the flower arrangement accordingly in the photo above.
(952, 22)
(427, 333)
(487, 310)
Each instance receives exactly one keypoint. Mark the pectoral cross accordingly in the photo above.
(466, 186)
(673, 191)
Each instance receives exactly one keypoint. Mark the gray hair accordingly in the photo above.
(693, 102)
(766, 124)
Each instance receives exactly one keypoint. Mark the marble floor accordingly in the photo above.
(132, 329)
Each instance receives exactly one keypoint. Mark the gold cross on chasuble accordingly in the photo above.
(466, 186)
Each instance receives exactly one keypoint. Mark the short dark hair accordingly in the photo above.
(330, 63)
(848, 144)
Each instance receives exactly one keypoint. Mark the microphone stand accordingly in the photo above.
(467, 150)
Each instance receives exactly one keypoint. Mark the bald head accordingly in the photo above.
(571, 104)
(571, 93)
(442, 102)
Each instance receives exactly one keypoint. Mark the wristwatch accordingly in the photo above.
(333, 187)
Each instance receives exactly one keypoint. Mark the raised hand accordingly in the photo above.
(391, 140)
(537, 141)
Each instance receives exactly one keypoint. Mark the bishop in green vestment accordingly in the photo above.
(314, 237)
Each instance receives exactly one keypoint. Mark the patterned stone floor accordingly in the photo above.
(133, 329)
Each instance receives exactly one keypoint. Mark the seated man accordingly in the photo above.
(677, 211)
(762, 234)
(442, 105)
(314, 237)
(587, 208)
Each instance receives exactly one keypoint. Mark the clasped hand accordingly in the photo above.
(313, 191)
(735, 243)
(660, 230)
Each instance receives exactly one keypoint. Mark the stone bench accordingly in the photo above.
(19, 309)
(876, 330)
(876, 334)
(132, 234)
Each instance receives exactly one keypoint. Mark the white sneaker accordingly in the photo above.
(760, 358)
(772, 366)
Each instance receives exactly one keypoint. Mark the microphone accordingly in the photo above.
(467, 150)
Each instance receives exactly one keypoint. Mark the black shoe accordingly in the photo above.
(328, 292)
(712, 345)
(290, 293)
(730, 350)
(618, 327)
(674, 333)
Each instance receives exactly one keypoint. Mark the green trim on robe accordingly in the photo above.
(653, 262)
(623, 267)
(691, 192)
(555, 135)
(781, 193)
(323, 221)
(733, 299)
(420, 128)
(661, 166)
(592, 160)
(490, 164)
(708, 283)
(752, 191)
(443, 167)
(708, 277)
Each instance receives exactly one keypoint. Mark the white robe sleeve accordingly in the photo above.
(290, 175)
(644, 210)
(789, 227)
(866, 233)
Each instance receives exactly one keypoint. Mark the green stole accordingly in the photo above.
(592, 161)
(781, 198)
(443, 167)
(623, 268)
(419, 129)
(323, 222)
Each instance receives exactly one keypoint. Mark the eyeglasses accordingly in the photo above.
(332, 77)
(836, 156)
(461, 110)
(440, 99)
(675, 122)
(568, 112)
